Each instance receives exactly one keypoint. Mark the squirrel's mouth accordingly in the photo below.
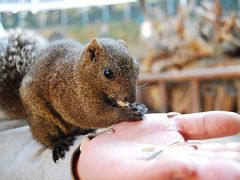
(113, 101)
(110, 101)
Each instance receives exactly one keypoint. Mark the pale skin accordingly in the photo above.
(128, 153)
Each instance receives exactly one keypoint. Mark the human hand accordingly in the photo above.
(159, 148)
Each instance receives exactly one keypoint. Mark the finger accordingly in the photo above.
(221, 169)
(210, 124)
(214, 151)
(217, 147)
(211, 155)
(206, 164)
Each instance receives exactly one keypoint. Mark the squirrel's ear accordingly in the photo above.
(93, 48)
(122, 42)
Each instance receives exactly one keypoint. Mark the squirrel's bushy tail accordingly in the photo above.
(18, 50)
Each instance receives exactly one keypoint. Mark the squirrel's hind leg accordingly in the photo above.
(61, 145)
(47, 124)
(51, 136)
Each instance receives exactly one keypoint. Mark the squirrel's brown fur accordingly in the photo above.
(66, 90)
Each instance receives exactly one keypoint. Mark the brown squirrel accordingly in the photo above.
(66, 88)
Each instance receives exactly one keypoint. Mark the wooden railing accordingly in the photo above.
(194, 77)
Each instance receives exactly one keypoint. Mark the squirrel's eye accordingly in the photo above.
(108, 73)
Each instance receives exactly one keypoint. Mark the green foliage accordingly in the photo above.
(128, 31)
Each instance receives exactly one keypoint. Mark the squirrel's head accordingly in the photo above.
(110, 68)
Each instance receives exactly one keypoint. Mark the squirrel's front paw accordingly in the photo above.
(139, 107)
(135, 111)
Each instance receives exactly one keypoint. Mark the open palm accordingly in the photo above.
(159, 148)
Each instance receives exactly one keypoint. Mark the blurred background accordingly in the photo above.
(189, 50)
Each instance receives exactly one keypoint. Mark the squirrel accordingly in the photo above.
(64, 88)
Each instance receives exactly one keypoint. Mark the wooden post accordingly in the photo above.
(196, 107)
(237, 86)
(164, 96)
